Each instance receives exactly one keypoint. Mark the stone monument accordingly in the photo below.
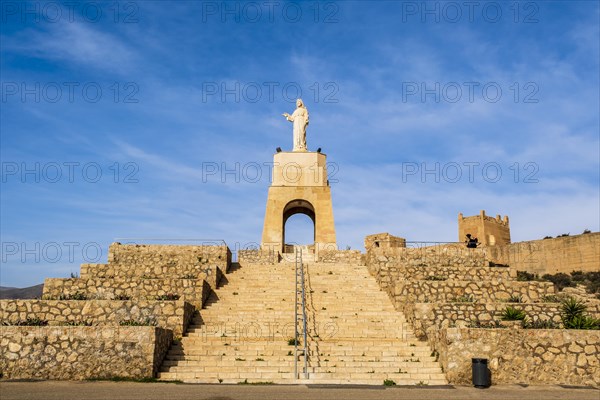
(299, 186)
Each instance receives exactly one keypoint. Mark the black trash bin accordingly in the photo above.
(481, 373)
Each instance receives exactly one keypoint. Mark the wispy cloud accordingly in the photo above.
(73, 44)
(372, 129)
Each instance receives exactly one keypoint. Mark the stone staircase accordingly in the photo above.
(355, 335)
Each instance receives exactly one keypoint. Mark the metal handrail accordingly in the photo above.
(304, 319)
(300, 290)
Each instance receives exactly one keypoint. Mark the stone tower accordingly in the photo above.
(489, 231)
(299, 186)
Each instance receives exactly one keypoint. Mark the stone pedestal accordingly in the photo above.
(299, 186)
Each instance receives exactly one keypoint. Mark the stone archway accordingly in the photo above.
(298, 206)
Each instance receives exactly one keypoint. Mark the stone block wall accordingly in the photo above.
(540, 356)
(383, 240)
(82, 352)
(341, 256)
(170, 258)
(551, 256)
(162, 261)
(194, 291)
(423, 291)
(262, 257)
(126, 289)
(423, 316)
(112, 272)
(173, 315)
(441, 272)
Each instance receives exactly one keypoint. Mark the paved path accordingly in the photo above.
(50, 390)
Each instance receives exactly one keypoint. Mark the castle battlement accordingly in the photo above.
(488, 230)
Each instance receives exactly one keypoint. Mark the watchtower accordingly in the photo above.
(489, 231)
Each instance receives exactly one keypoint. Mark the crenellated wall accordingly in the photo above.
(489, 231)
(550, 256)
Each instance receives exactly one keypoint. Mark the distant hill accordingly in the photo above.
(32, 292)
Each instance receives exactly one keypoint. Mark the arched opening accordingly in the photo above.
(299, 225)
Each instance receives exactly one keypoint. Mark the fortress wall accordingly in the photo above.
(82, 352)
(550, 256)
(540, 356)
(194, 291)
(173, 315)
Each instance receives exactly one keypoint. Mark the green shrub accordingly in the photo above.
(74, 296)
(574, 316)
(78, 323)
(389, 382)
(132, 322)
(31, 322)
(583, 322)
(435, 278)
(170, 296)
(467, 298)
(524, 276)
(551, 298)
(560, 280)
(591, 280)
(511, 313)
(485, 325)
(515, 298)
(578, 276)
(540, 324)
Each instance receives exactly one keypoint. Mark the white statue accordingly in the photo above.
(300, 120)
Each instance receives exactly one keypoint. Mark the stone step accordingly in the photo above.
(314, 378)
(289, 367)
(341, 355)
(391, 363)
(351, 323)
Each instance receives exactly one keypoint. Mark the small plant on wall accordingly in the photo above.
(511, 313)
(574, 315)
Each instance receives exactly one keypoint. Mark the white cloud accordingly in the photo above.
(74, 44)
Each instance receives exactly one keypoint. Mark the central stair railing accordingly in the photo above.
(300, 316)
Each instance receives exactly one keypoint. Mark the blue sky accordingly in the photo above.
(121, 113)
